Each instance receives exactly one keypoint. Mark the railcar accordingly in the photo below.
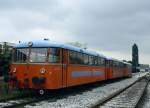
(128, 69)
(117, 69)
(45, 65)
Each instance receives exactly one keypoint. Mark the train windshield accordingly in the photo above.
(36, 55)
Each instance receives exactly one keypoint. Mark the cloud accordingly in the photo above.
(109, 26)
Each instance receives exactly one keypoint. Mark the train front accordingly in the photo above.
(35, 66)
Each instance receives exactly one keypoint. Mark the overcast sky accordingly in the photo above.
(108, 26)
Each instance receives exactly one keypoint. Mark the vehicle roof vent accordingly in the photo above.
(46, 39)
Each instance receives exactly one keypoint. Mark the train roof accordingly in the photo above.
(47, 43)
(113, 59)
(127, 63)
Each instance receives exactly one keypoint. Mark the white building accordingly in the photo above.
(144, 67)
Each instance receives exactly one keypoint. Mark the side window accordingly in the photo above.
(54, 55)
(117, 64)
(81, 59)
(78, 58)
(90, 60)
(107, 63)
(95, 60)
(110, 63)
(103, 61)
(86, 59)
(72, 57)
(120, 65)
(114, 64)
(99, 61)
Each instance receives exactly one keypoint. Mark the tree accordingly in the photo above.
(78, 44)
(135, 58)
(5, 59)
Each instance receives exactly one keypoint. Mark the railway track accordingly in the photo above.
(145, 100)
(21, 102)
(54, 98)
(127, 98)
(51, 97)
(18, 102)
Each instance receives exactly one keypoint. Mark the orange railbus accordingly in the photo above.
(45, 65)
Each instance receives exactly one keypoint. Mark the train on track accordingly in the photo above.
(46, 65)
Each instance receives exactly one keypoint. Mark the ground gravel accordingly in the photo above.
(145, 101)
(86, 99)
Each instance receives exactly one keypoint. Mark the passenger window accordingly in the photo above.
(72, 57)
(95, 61)
(78, 58)
(81, 58)
(99, 61)
(114, 64)
(103, 61)
(91, 60)
(86, 59)
(53, 55)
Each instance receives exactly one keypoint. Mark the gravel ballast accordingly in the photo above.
(88, 98)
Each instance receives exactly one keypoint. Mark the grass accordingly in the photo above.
(6, 93)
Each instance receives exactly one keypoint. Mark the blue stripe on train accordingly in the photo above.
(87, 73)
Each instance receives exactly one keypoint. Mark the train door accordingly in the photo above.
(110, 69)
(64, 67)
(125, 70)
(107, 69)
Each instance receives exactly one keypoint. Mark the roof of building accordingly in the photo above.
(47, 43)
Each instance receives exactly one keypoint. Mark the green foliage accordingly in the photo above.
(78, 44)
(135, 58)
(5, 59)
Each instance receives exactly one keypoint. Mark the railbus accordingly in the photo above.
(46, 65)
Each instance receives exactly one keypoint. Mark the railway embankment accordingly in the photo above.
(90, 98)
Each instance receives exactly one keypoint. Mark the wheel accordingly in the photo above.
(41, 92)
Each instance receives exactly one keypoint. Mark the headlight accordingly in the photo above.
(14, 70)
(42, 70)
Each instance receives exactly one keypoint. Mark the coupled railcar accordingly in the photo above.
(117, 69)
(45, 65)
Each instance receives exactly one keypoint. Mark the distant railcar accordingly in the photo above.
(45, 65)
(117, 69)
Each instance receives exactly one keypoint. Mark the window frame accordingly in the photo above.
(15, 55)
(92, 60)
(29, 55)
